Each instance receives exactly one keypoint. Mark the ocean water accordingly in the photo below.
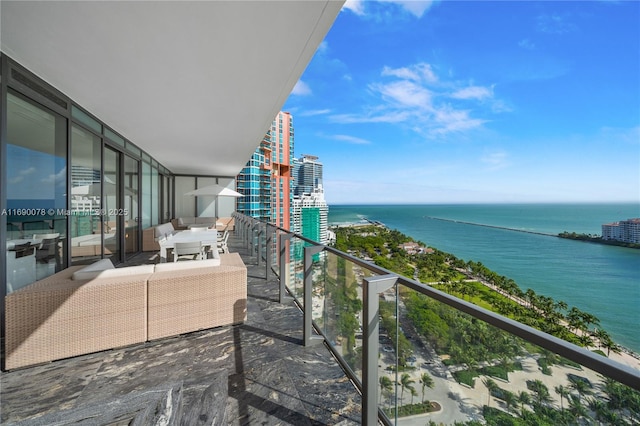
(603, 280)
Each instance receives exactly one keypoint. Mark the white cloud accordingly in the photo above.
(59, 178)
(430, 106)
(416, 8)
(351, 139)
(323, 48)
(28, 171)
(355, 6)
(473, 92)
(405, 93)
(421, 72)
(314, 112)
(629, 136)
(526, 44)
(454, 121)
(555, 24)
(16, 179)
(301, 88)
(375, 117)
(495, 160)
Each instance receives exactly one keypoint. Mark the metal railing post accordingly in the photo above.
(252, 238)
(259, 243)
(267, 253)
(371, 289)
(285, 241)
(309, 338)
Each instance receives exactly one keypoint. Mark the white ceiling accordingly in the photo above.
(195, 84)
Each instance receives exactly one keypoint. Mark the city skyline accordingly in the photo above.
(475, 102)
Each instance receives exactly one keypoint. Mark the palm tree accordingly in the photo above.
(598, 407)
(608, 343)
(580, 386)
(427, 382)
(491, 386)
(541, 390)
(386, 385)
(576, 408)
(405, 381)
(563, 392)
(510, 399)
(413, 393)
(524, 398)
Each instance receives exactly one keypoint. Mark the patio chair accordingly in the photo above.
(222, 243)
(191, 250)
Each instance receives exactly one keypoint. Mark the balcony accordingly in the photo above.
(336, 341)
(255, 373)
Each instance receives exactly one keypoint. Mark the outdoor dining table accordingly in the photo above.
(208, 237)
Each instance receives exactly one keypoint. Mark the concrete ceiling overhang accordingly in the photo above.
(195, 84)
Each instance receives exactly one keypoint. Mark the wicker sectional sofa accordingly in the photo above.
(60, 317)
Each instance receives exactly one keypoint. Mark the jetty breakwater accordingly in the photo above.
(491, 226)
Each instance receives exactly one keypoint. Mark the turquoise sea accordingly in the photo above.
(603, 280)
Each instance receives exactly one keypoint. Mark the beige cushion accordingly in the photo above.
(127, 271)
(113, 272)
(192, 264)
(186, 221)
(91, 271)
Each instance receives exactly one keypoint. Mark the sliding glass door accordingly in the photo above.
(131, 210)
(111, 204)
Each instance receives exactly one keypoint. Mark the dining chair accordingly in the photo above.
(222, 243)
(191, 250)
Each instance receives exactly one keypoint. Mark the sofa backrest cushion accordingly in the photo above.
(186, 221)
(127, 271)
(192, 264)
(92, 271)
(113, 272)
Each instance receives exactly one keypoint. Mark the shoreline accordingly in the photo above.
(626, 356)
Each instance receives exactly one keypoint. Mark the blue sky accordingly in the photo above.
(475, 102)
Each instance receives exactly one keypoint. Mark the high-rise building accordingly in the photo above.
(254, 182)
(266, 180)
(627, 231)
(310, 210)
(307, 174)
(310, 214)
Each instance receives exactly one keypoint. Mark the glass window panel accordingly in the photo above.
(155, 199)
(86, 230)
(36, 174)
(86, 119)
(114, 137)
(185, 205)
(111, 204)
(146, 195)
(206, 203)
(131, 210)
(133, 149)
(227, 205)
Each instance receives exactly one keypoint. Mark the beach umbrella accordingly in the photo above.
(214, 190)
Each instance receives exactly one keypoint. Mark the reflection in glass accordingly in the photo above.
(130, 211)
(146, 195)
(36, 176)
(86, 229)
(111, 204)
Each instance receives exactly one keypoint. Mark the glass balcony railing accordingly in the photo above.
(420, 356)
